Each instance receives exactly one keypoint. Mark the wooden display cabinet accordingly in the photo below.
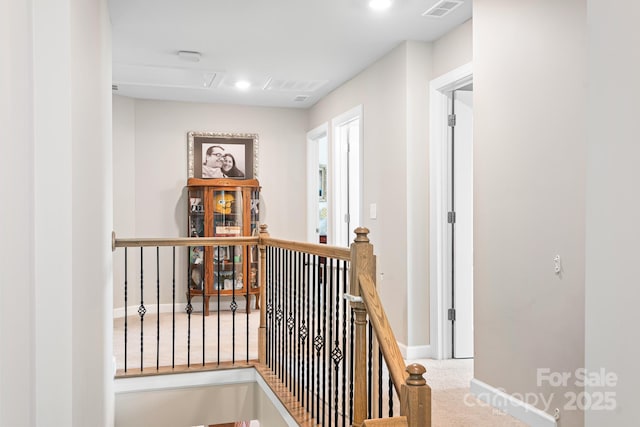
(223, 208)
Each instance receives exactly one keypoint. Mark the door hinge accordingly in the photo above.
(451, 314)
(452, 120)
(347, 218)
(451, 217)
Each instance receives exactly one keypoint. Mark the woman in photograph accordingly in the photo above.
(229, 168)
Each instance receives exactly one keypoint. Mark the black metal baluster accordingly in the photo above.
(299, 274)
(324, 338)
(379, 383)
(219, 270)
(329, 284)
(369, 368)
(247, 282)
(344, 343)
(234, 305)
(337, 354)
(305, 332)
(285, 306)
(390, 396)
(314, 277)
(126, 322)
(290, 321)
(203, 322)
(141, 312)
(158, 307)
(351, 358)
(269, 305)
(173, 321)
(279, 314)
(189, 310)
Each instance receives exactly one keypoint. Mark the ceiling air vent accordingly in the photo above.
(293, 85)
(442, 8)
(301, 98)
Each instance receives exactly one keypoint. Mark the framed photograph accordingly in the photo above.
(223, 155)
(322, 183)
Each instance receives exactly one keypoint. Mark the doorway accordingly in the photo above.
(451, 215)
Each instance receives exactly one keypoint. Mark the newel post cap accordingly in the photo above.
(362, 234)
(416, 371)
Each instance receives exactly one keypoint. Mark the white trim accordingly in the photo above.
(284, 413)
(415, 352)
(508, 404)
(202, 379)
(438, 181)
(190, 379)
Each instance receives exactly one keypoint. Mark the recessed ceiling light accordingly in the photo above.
(243, 84)
(380, 4)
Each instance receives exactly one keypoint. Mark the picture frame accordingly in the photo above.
(322, 183)
(222, 155)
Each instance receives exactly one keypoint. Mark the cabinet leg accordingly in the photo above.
(205, 305)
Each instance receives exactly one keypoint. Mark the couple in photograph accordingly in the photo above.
(219, 164)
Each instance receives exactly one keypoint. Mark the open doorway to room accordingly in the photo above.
(317, 185)
(451, 222)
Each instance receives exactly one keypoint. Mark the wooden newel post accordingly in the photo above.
(415, 401)
(362, 261)
(262, 277)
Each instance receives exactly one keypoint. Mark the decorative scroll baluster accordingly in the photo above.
(234, 304)
(344, 343)
(218, 288)
(141, 312)
(329, 284)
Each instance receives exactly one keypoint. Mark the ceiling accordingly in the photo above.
(293, 52)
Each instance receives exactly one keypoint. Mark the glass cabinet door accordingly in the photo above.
(228, 222)
(196, 272)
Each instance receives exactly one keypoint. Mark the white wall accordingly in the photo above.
(529, 194)
(150, 149)
(55, 361)
(17, 286)
(612, 290)
(394, 93)
(381, 89)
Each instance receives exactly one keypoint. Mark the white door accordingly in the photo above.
(462, 227)
(347, 142)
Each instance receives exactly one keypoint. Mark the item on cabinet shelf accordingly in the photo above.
(228, 230)
(223, 203)
(196, 277)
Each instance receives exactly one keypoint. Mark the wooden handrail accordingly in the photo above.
(336, 252)
(383, 331)
(185, 241)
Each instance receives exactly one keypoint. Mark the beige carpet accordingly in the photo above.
(452, 403)
(187, 347)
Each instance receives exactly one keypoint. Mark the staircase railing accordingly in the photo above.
(323, 341)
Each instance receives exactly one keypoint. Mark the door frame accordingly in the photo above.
(439, 170)
(312, 180)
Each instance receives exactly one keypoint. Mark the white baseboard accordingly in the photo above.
(180, 306)
(510, 405)
(415, 351)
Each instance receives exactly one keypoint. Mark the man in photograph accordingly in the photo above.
(212, 166)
